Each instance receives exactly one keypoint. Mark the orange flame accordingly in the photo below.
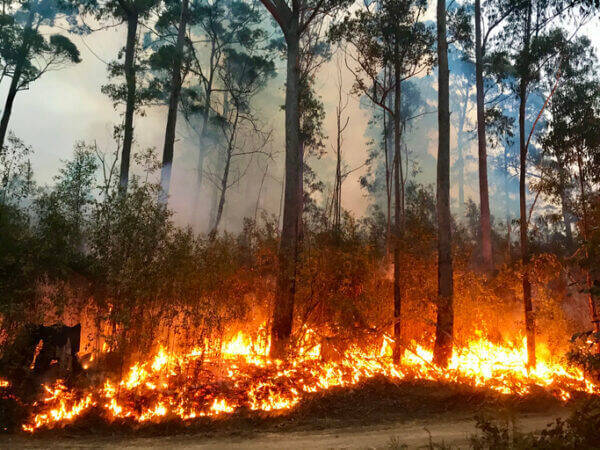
(168, 385)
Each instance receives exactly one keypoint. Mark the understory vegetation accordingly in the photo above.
(79, 252)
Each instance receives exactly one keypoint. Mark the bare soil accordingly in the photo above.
(452, 431)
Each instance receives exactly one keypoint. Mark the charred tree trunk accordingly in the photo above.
(292, 214)
(444, 333)
(8, 105)
(176, 82)
(484, 200)
(527, 304)
(130, 81)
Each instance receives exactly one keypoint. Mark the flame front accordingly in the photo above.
(169, 385)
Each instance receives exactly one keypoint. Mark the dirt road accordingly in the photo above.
(454, 431)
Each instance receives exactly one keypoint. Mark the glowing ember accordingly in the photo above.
(170, 385)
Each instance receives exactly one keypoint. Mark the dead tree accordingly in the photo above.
(341, 125)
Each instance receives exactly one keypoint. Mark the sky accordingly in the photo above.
(66, 106)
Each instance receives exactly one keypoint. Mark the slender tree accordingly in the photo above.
(444, 332)
(484, 199)
(341, 125)
(218, 26)
(461, 98)
(488, 19)
(132, 13)
(243, 76)
(176, 83)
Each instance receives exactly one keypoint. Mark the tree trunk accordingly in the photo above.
(176, 81)
(225, 177)
(16, 79)
(224, 180)
(132, 23)
(444, 333)
(214, 202)
(338, 174)
(300, 184)
(195, 206)
(508, 240)
(527, 305)
(289, 246)
(398, 216)
(260, 188)
(202, 136)
(10, 98)
(461, 160)
(388, 189)
(484, 200)
(507, 206)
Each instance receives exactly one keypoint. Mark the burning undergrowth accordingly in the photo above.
(192, 387)
(173, 327)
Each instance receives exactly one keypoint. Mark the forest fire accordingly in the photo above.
(185, 386)
(295, 215)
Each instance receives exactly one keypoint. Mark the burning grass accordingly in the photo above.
(241, 381)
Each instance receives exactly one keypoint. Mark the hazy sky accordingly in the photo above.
(66, 106)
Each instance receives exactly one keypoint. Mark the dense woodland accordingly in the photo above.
(517, 79)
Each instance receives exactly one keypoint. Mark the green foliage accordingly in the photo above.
(388, 35)
(19, 268)
(15, 172)
(25, 51)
